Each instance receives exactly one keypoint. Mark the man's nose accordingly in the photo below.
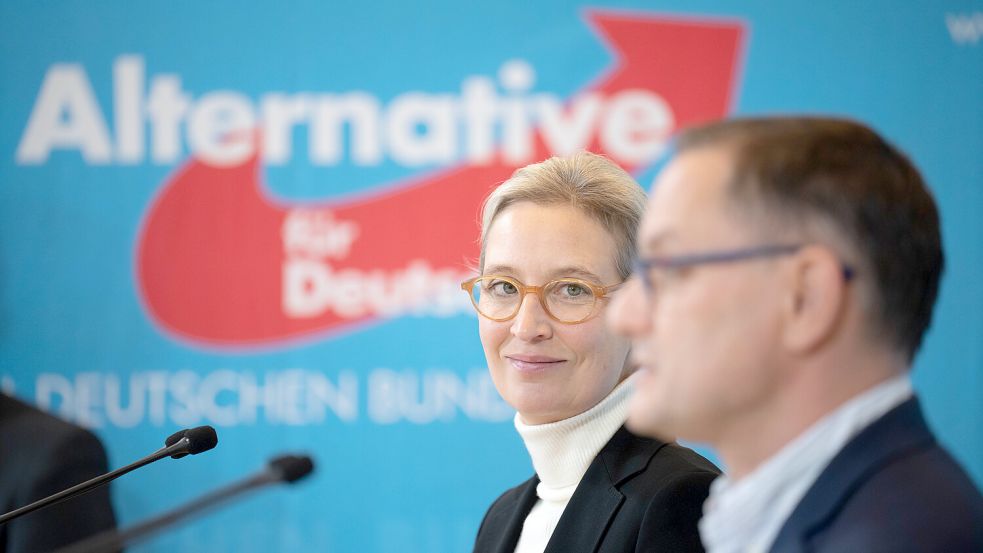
(630, 311)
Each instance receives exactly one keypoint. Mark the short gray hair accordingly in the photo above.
(589, 182)
(843, 173)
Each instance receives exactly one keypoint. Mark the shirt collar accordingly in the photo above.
(746, 515)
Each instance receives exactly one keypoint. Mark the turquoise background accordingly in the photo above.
(68, 302)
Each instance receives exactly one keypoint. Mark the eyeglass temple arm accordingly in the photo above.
(684, 261)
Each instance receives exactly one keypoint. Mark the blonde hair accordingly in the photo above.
(586, 181)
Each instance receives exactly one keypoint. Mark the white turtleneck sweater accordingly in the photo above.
(561, 452)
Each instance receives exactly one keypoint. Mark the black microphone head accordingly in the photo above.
(201, 438)
(291, 468)
(175, 437)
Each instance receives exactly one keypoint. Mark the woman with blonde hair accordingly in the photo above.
(557, 241)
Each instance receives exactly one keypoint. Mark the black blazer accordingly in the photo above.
(893, 489)
(638, 494)
(41, 455)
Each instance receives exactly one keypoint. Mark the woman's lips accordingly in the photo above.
(533, 363)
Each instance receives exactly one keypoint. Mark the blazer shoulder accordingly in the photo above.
(670, 518)
(628, 456)
(677, 481)
(22, 421)
(891, 488)
(922, 501)
(510, 496)
(41, 455)
(676, 458)
(666, 498)
(32, 440)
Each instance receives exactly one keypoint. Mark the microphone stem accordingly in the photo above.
(89, 485)
(111, 541)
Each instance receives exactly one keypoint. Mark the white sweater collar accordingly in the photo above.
(561, 451)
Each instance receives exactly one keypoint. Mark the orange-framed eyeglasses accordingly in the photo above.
(565, 300)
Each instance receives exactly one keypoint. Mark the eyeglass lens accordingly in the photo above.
(566, 300)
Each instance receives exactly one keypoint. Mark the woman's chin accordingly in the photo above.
(538, 417)
(540, 410)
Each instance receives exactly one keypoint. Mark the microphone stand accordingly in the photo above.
(283, 469)
(110, 541)
(179, 448)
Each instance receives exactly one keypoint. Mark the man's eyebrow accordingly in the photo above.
(658, 240)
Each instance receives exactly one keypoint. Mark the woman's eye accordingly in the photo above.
(573, 290)
(502, 288)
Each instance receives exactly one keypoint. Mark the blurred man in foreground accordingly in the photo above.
(41, 455)
(787, 273)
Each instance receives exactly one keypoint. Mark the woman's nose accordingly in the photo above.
(531, 323)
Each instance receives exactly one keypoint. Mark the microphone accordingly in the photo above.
(191, 442)
(184, 442)
(286, 468)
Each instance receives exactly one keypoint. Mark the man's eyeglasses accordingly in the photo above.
(644, 266)
(565, 300)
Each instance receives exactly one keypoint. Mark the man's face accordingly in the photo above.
(705, 337)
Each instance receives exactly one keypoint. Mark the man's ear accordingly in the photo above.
(816, 299)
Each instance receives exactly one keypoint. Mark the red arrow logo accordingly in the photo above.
(220, 264)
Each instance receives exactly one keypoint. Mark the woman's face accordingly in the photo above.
(546, 370)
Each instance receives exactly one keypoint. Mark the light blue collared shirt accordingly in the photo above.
(745, 516)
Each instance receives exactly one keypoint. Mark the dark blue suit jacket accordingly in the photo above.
(891, 489)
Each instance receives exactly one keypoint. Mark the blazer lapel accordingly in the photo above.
(505, 528)
(897, 433)
(597, 498)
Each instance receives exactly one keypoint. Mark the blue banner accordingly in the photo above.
(256, 216)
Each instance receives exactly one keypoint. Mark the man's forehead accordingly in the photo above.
(690, 189)
(693, 174)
